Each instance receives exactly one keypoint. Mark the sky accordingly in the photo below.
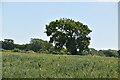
(119, 26)
(22, 21)
(60, 0)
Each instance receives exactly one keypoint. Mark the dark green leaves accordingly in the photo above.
(70, 34)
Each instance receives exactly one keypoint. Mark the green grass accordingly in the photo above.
(0, 66)
(23, 65)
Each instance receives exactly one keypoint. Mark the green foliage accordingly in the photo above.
(118, 53)
(70, 34)
(2, 49)
(38, 45)
(8, 44)
(35, 44)
(16, 50)
(63, 51)
(17, 65)
(30, 51)
(1, 44)
(93, 51)
(20, 46)
(107, 53)
(44, 47)
(43, 52)
(110, 53)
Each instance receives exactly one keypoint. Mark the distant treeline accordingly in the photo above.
(41, 46)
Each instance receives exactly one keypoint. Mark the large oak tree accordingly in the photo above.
(70, 34)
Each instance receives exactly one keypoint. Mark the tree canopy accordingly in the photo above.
(8, 44)
(39, 45)
(73, 35)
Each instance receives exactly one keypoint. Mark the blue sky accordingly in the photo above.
(24, 20)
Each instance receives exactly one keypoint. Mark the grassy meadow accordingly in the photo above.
(34, 65)
(0, 65)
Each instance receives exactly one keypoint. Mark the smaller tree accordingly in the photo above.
(93, 51)
(35, 44)
(108, 53)
(8, 44)
(46, 47)
(111, 53)
(38, 45)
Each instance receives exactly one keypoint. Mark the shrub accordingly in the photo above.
(30, 51)
(64, 51)
(16, 50)
(2, 49)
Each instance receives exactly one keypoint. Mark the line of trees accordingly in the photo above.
(35, 45)
(41, 46)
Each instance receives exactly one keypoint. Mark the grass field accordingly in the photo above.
(23, 65)
(0, 65)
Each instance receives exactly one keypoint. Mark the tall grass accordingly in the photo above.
(23, 65)
(0, 65)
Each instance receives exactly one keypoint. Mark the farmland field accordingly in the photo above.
(34, 65)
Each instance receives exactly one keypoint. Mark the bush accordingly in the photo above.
(2, 49)
(16, 50)
(43, 52)
(30, 51)
(64, 51)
